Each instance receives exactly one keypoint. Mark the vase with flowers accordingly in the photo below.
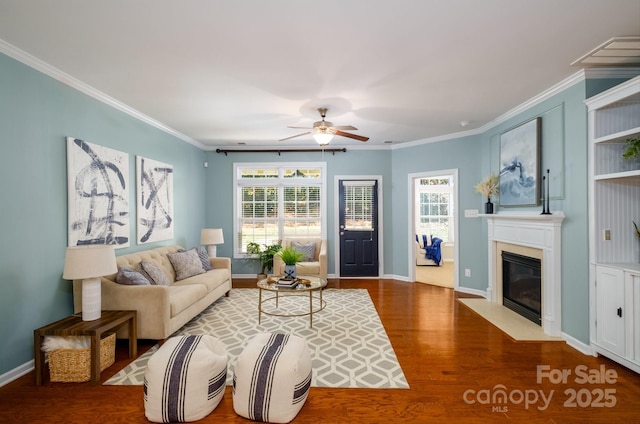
(488, 188)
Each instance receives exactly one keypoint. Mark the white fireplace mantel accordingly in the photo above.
(531, 229)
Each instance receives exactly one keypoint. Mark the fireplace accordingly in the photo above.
(522, 285)
(529, 233)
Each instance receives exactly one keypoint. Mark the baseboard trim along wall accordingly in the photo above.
(16, 373)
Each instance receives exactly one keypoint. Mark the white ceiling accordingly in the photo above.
(225, 72)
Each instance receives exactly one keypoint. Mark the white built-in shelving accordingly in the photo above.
(614, 203)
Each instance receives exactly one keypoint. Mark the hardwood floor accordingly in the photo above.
(455, 362)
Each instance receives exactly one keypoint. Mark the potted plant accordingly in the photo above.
(631, 154)
(633, 149)
(488, 187)
(264, 255)
(290, 256)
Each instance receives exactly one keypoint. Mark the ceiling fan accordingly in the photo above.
(323, 131)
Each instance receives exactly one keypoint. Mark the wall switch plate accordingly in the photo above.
(470, 213)
(607, 235)
(467, 272)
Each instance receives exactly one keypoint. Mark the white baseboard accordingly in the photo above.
(578, 345)
(396, 277)
(16, 373)
(476, 292)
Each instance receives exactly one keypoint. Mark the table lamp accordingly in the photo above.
(210, 237)
(89, 263)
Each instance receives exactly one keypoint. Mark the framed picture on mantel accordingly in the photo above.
(520, 152)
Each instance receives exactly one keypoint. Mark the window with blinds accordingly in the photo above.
(276, 202)
(435, 207)
(358, 205)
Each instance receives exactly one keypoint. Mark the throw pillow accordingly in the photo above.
(130, 277)
(186, 264)
(308, 250)
(204, 258)
(155, 273)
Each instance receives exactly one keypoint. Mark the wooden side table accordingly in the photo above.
(74, 326)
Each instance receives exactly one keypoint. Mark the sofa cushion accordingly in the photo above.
(307, 249)
(155, 274)
(182, 297)
(186, 263)
(211, 279)
(130, 277)
(308, 268)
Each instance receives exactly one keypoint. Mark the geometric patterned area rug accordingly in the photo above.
(349, 346)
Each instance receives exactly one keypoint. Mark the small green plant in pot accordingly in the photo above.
(264, 255)
(290, 256)
(632, 150)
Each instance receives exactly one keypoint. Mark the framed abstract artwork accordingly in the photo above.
(520, 153)
(98, 194)
(154, 181)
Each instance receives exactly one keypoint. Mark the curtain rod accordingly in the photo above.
(279, 151)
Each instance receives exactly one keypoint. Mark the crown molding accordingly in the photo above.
(602, 73)
(563, 85)
(55, 73)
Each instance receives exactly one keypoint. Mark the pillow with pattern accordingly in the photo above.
(307, 249)
(156, 274)
(131, 277)
(204, 258)
(186, 263)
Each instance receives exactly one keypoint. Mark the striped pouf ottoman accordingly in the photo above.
(271, 378)
(185, 379)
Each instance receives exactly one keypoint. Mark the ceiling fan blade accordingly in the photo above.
(304, 128)
(354, 136)
(294, 136)
(345, 127)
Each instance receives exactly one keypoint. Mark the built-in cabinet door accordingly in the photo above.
(633, 284)
(610, 310)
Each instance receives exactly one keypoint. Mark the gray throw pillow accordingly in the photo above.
(155, 273)
(130, 277)
(308, 250)
(204, 258)
(186, 264)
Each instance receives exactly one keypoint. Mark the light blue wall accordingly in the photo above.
(470, 156)
(353, 162)
(36, 114)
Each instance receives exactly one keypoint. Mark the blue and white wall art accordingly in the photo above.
(154, 200)
(520, 150)
(98, 194)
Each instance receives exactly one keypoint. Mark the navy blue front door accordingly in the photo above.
(358, 228)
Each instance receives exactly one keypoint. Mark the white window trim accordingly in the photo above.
(277, 183)
(449, 189)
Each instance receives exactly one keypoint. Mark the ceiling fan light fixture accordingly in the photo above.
(323, 135)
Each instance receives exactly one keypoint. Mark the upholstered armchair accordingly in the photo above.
(314, 264)
(428, 250)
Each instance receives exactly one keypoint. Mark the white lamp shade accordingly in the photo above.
(210, 236)
(90, 261)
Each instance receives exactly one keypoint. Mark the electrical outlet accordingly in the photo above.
(467, 272)
(471, 213)
(607, 235)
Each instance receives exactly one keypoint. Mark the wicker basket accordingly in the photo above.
(74, 365)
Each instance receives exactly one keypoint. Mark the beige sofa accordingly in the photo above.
(161, 309)
(317, 266)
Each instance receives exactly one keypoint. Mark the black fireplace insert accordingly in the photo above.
(522, 285)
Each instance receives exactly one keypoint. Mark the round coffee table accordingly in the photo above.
(306, 286)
